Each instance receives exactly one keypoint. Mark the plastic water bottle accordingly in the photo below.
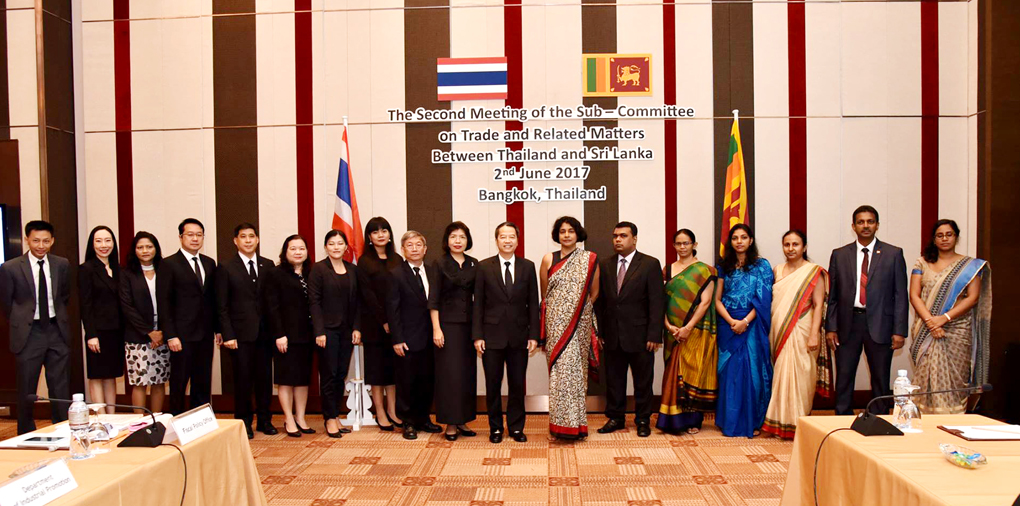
(905, 411)
(78, 421)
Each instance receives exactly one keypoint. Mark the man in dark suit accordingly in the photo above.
(506, 329)
(631, 309)
(867, 309)
(411, 329)
(34, 290)
(186, 297)
(238, 292)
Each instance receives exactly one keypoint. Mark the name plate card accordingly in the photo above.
(194, 424)
(42, 486)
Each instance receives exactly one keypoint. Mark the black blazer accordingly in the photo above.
(136, 306)
(454, 291)
(100, 300)
(886, 291)
(373, 297)
(287, 306)
(239, 299)
(17, 296)
(634, 316)
(187, 309)
(407, 308)
(324, 298)
(505, 320)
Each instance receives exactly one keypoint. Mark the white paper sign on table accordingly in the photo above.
(194, 424)
(42, 486)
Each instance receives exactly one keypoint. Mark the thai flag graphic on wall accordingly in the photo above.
(471, 78)
(345, 211)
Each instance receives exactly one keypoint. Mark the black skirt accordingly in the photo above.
(379, 360)
(456, 367)
(109, 362)
(294, 368)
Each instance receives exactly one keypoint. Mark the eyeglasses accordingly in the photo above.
(683, 244)
(947, 235)
(193, 235)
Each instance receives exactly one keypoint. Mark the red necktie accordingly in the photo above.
(864, 279)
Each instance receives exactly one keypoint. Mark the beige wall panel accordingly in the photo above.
(972, 58)
(182, 72)
(274, 36)
(275, 6)
(277, 152)
(146, 74)
(93, 10)
(146, 9)
(203, 159)
(771, 60)
(389, 178)
(28, 161)
(208, 110)
(386, 61)
(694, 58)
(881, 58)
(955, 198)
(21, 75)
(771, 185)
(356, 89)
(99, 104)
(333, 66)
(327, 145)
(319, 94)
(953, 58)
(972, 185)
(100, 192)
(696, 184)
(822, 49)
(827, 224)
(184, 8)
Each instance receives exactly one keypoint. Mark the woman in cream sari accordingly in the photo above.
(798, 307)
(952, 296)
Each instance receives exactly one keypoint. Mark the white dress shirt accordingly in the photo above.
(424, 277)
(629, 258)
(503, 267)
(49, 283)
(860, 263)
(191, 263)
(245, 260)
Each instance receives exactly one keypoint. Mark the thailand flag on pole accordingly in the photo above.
(345, 211)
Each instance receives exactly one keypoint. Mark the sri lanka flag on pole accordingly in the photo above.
(734, 209)
(345, 210)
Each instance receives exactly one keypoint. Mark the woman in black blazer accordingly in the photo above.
(148, 356)
(98, 284)
(290, 324)
(333, 301)
(451, 307)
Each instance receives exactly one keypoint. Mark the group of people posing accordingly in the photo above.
(748, 341)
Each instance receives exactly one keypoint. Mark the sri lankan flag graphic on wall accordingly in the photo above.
(617, 75)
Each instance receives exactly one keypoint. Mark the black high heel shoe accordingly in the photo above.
(397, 425)
(466, 432)
(387, 428)
(292, 434)
(305, 430)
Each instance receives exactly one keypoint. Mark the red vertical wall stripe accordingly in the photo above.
(929, 116)
(122, 113)
(305, 146)
(669, 82)
(798, 116)
(512, 30)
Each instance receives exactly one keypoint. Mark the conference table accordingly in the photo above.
(898, 470)
(220, 466)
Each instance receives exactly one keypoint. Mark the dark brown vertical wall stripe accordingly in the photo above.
(598, 35)
(236, 138)
(122, 114)
(733, 83)
(429, 186)
(5, 96)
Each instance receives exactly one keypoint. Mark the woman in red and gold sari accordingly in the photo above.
(569, 288)
(802, 361)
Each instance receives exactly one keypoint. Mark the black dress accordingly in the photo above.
(379, 356)
(456, 361)
(100, 315)
(286, 302)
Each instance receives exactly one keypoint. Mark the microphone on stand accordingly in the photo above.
(149, 436)
(869, 424)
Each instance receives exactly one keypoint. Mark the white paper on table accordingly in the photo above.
(988, 432)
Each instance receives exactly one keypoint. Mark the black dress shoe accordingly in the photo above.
(267, 429)
(410, 433)
(519, 436)
(495, 437)
(431, 428)
(292, 434)
(466, 432)
(451, 437)
(644, 429)
(247, 428)
(336, 435)
(611, 426)
(306, 430)
(387, 428)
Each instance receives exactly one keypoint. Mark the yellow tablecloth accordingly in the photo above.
(221, 471)
(898, 470)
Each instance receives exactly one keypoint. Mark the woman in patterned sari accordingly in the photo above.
(570, 286)
(743, 299)
(689, 384)
(798, 307)
(952, 296)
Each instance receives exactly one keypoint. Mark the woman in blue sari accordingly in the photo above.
(743, 301)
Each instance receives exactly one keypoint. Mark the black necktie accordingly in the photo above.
(417, 276)
(508, 280)
(44, 294)
(251, 270)
(198, 271)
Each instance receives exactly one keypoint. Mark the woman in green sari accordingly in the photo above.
(689, 385)
(952, 297)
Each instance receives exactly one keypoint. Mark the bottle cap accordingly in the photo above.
(902, 373)
(78, 398)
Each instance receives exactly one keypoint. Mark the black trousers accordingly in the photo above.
(46, 348)
(516, 363)
(192, 364)
(848, 355)
(415, 377)
(642, 367)
(334, 362)
(253, 375)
